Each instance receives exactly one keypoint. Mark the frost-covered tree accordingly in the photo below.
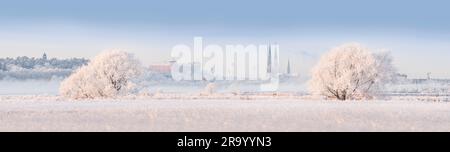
(109, 74)
(351, 71)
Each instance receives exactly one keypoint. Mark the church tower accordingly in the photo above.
(288, 67)
(269, 60)
(44, 57)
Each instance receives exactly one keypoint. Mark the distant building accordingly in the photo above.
(160, 68)
(269, 60)
(272, 66)
(44, 57)
(288, 71)
(401, 76)
(164, 68)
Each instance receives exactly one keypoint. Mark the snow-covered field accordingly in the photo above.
(51, 113)
(34, 106)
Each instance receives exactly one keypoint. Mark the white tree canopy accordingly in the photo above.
(351, 71)
(107, 75)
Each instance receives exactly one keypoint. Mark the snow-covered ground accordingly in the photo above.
(51, 113)
(33, 105)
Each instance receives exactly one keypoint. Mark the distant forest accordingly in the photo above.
(38, 68)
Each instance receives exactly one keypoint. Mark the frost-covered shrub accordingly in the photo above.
(351, 71)
(109, 74)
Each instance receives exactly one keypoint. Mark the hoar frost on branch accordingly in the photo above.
(109, 74)
(351, 71)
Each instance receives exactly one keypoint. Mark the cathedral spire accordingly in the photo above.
(44, 57)
(289, 67)
(269, 60)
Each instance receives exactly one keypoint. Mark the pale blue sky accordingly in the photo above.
(417, 32)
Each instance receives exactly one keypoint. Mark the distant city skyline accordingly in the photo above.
(416, 32)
